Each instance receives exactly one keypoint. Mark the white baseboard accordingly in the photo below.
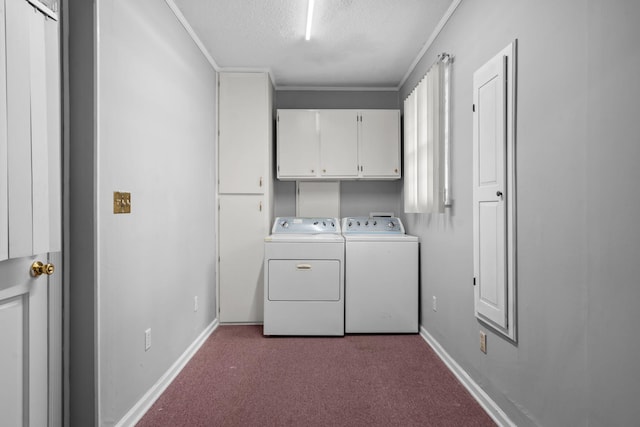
(139, 409)
(492, 409)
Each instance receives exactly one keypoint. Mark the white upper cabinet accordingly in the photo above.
(379, 144)
(338, 144)
(298, 139)
(244, 123)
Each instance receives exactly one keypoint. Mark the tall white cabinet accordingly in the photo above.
(245, 192)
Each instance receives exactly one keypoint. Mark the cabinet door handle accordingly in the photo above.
(260, 181)
(260, 206)
(303, 266)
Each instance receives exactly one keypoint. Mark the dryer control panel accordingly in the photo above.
(295, 225)
(372, 225)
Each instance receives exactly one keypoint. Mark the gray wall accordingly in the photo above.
(575, 362)
(356, 197)
(153, 135)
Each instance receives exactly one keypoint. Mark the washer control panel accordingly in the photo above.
(295, 225)
(372, 225)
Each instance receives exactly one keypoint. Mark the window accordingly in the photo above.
(426, 142)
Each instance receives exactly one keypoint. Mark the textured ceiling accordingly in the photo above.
(354, 43)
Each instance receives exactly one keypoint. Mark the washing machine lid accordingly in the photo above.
(313, 225)
(361, 237)
(376, 225)
(305, 238)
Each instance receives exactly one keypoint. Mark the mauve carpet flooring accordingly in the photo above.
(240, 378)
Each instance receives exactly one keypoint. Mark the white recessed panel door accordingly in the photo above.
(493, 192)
(30, 306)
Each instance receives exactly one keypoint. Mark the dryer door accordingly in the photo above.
(304, 280)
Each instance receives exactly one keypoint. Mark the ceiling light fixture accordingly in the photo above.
(309, 20)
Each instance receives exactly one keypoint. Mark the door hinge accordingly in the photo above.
(474, 281)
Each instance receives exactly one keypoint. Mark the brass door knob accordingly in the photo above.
(38, 269)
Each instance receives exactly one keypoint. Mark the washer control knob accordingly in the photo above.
(284, 224)
(350, 224)
(391, 224)
(375, 223)
(366, 223)
(324, 224)
(315, 222)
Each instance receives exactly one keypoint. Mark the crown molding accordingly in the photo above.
(443, 21)
(176, 11)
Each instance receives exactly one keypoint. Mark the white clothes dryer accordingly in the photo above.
(304, 277)
(381, 276)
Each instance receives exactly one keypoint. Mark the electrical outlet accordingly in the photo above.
(434, 303)
(483, 342)
(195, 303)
(147, 339)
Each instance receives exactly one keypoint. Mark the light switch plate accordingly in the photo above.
(121, 202)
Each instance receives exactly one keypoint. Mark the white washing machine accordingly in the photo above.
(381, 276)
(304, 277)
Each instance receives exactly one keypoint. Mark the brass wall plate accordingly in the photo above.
(121, 202)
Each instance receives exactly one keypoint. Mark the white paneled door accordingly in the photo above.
(30, 301)
(494, 192)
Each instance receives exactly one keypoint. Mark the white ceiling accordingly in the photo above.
(354, 43)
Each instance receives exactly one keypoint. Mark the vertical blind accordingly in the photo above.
(426, 140)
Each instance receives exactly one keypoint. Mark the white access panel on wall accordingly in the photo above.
(494, 192)
(318, 198)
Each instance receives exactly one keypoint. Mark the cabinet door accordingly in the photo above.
(338, 143)
(297, 143)
(244, 116)
(379, 144)
(243, 227)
